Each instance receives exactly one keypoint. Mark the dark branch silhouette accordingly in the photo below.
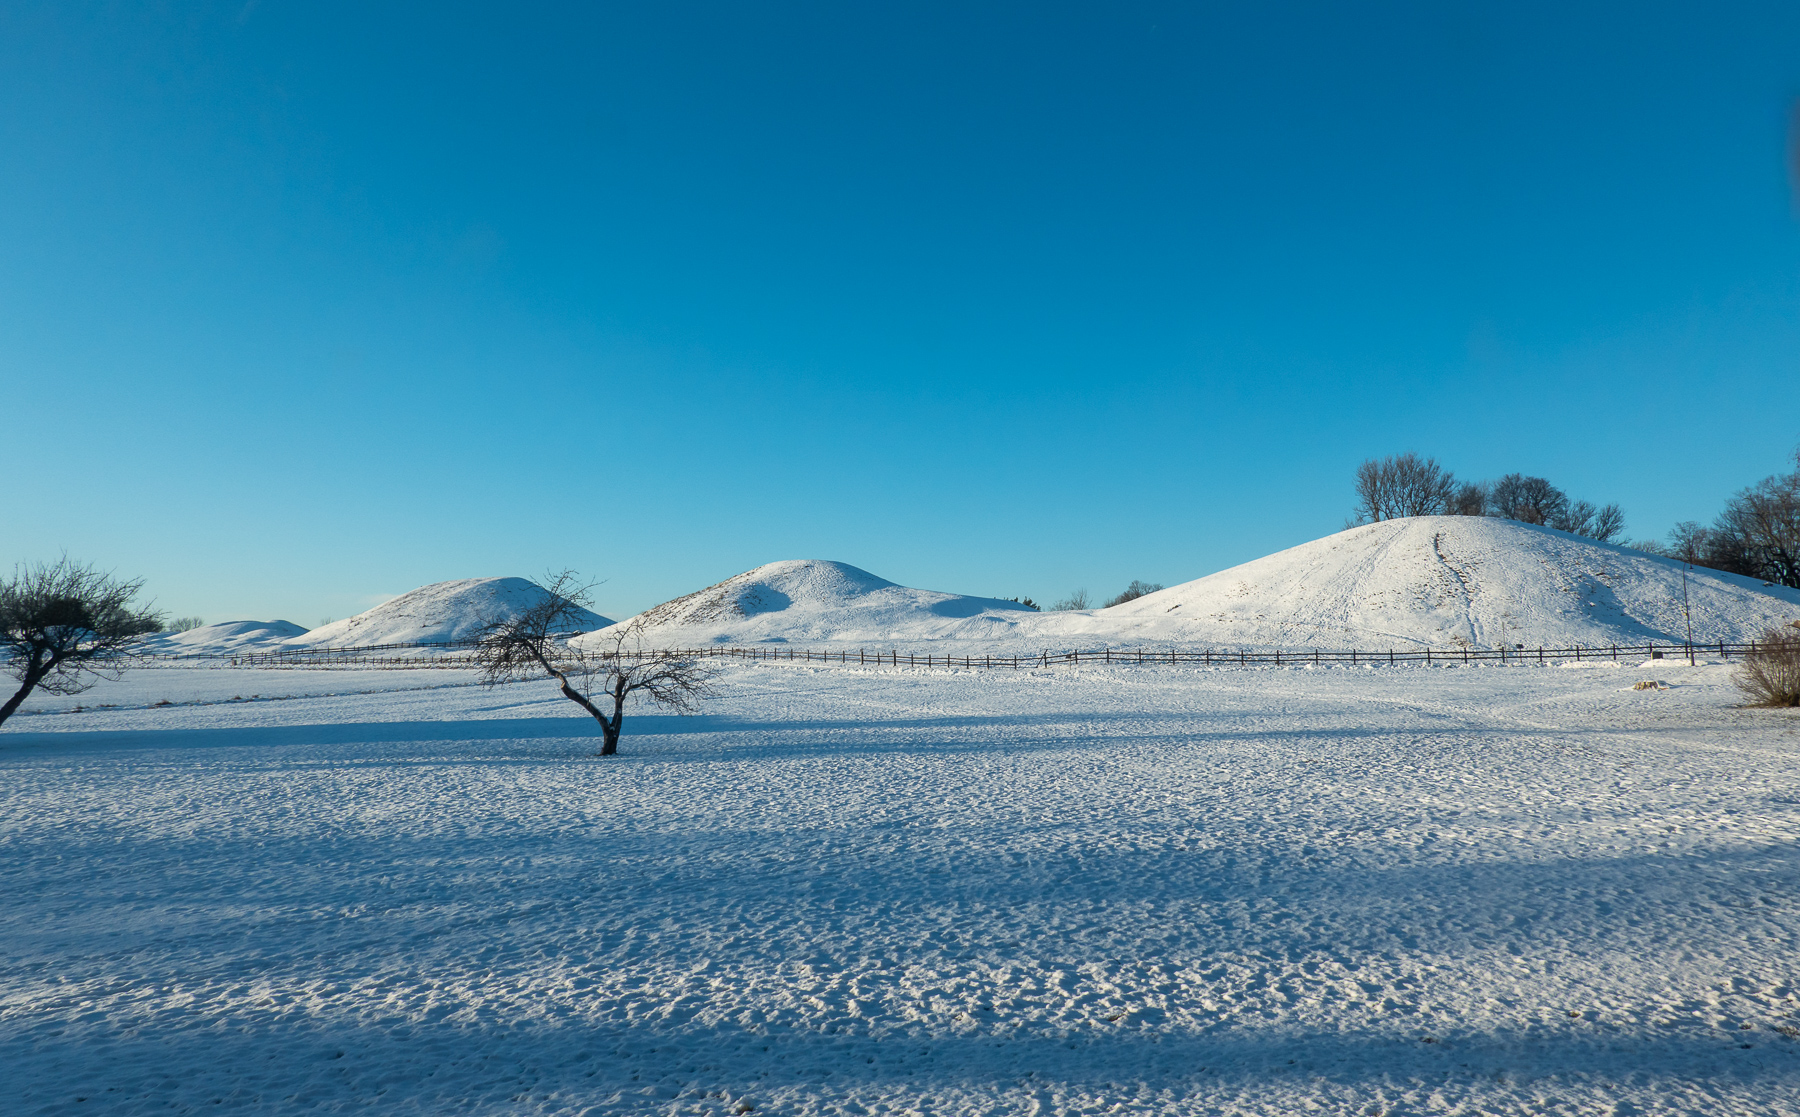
(614, 666)
(65, 626)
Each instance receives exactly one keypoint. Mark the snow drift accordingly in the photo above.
(226, 636)
(1448, 582)
(818, 601)
(441, 612)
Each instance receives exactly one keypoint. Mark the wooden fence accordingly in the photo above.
(460, 654)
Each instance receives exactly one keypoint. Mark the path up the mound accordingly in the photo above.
(818, 601)
(439, 613)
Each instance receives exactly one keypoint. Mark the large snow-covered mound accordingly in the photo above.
(817, 601)
(1448, 581)
(440, 612)
(226, 636)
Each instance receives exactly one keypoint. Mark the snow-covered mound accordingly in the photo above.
(1446, 582)
(814, 601)
(227, 636)
(441, 612)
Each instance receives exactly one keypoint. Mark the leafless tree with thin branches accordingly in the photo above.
(1403, 485)
(65, 626)
(613, 665)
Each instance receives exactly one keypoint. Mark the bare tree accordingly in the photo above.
(1608, 524)
(1373, 501)
(1530, 500)
(65, 626)
(1688, 541)
(1075, 601)
(1403, 485)
(534, 643)
(1132, 592)
(1471, 499)
(1758, 534)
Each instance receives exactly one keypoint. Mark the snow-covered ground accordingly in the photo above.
(222, 638)
(1132, 889)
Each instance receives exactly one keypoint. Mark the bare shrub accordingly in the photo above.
(1132, 592)
(535, 642)
(1077, 600)
(1769, 674)
(182, 624)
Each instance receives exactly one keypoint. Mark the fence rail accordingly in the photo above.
(460, 654)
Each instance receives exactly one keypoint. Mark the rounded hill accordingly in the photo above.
(819, 601)
(1453, 581)
(439, 613)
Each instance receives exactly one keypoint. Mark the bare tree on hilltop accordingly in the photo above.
(1408, 485)
(1757, 535)
(1402, 485)
(65, 626)
(535, 643)
(1135, 590)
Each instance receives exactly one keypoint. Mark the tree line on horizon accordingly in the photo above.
(1757, 535)
(1409, 485)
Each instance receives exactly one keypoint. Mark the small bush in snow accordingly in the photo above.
(1770, 673)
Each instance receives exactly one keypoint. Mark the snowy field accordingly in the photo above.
(1141, 889)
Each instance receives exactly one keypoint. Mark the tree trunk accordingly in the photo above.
(580, 699)
(609, 730)
(32, 679)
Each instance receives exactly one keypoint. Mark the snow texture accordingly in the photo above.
(441, 612)
(1425, 582)
(1460, 581)
(1095, 890)
(815, 601)
(227, 636)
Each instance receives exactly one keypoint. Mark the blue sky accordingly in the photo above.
(304, 305)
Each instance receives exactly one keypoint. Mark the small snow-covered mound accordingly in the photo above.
(1450, 581)
(438, 613)
(226, 636)
(817, 601)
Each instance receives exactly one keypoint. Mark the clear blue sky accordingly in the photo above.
(304, 305)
